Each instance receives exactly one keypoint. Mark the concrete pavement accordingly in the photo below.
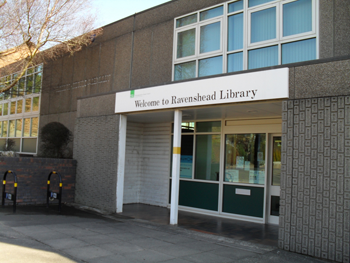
(35, 234)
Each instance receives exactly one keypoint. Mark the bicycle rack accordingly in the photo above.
(52, 195)
(9, 196)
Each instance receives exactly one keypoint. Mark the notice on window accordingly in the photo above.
(186, 166)
(240, 162)
(231, 175)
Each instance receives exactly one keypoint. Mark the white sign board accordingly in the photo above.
(255, 86)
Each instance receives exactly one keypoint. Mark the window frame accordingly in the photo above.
(247, 45)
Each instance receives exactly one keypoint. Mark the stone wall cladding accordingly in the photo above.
(315, 179)
(32, 174)
(96, 151)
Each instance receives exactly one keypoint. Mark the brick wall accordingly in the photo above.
(315, 186)
(32, 174)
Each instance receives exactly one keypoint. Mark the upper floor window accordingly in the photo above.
(244, 34)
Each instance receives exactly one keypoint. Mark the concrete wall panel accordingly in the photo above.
(96, 106)
(141, 63)
(107, 61)
(315, 178)
(92, 69)
(96, 150)
(324, 79)
(341, 28)
(121, 76)
(162, 53)
(326, 29)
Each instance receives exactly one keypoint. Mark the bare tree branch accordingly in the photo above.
(48, 28)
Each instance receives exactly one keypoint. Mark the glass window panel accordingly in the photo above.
(28, 106)
(30, 70)
(258, 2)
(37, 82)
(21, 84)
(235, 62)
(19, 106)
(1, 95)
(38, 68)
(4, 128)
(210, 66)
(187, 127)
(263, 25)
(235, 32)
(218, 11)
(210, 37)
(1, 109)
(26, 128)
(186, 20)
(0, 128)
(29, 86)
(209, 126)
(35, 103)
(5, 109)
(2, 144)
(275, 206)
(235, 6)
(7, 95)
(29, 145)
(207, 157)
(17, 145)
(297, 17)
(12, 124)
(263, 57)
(13, 107)
(18, 128)
(14, 91)
(35, 122)
(186, 43)
(299, 51)
(185, 71)
(245, 158)
(186, 162)
(276, 165)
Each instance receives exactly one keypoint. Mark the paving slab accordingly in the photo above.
(34, 234)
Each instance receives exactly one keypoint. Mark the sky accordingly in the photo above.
(109, 11)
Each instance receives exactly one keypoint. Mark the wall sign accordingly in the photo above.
(255, 86)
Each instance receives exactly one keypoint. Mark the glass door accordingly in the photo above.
(274, 180)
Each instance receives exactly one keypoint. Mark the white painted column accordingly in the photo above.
(121, 162)
(175, 181)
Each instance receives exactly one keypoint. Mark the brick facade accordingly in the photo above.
(315, 187)
(32, 174)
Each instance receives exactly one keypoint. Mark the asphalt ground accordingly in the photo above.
(38, 234)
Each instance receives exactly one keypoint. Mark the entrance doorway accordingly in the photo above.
(274, 179)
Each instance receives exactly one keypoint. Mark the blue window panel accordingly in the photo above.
(210, 37)
(258, 2)
(218, 11)
(210, 66)
(235, 6)
(263, 57)
(263, 25)
(185, 70)
(297, 17)
(186, 20)
(235, 32)
(235, 62)
(299, 51)
(186, 43)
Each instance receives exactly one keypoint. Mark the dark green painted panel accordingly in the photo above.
(199, 195)
(252, 205)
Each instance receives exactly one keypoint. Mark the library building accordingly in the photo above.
(230, 109)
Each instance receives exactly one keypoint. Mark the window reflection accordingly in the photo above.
(276, 166)
(245, 158)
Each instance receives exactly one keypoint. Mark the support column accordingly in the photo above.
(175, 181)
(121, 162)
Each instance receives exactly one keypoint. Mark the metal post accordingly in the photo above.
(175, 176)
